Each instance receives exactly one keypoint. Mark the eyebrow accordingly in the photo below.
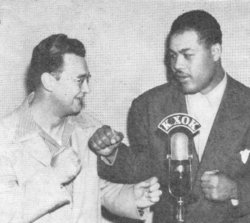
(88, 75)
(182, 50)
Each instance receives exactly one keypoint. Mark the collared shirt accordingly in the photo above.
(28, 125)
(204, 107)
(26, 174)
(32, 185)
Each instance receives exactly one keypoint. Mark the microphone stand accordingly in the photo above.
(183, 127)
(179, 195)
(180, 210)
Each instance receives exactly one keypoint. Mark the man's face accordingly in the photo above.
(192, 63)
(70, 90)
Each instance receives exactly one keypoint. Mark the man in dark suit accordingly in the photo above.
(201, 88)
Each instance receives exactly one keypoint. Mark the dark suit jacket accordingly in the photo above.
(146, 157)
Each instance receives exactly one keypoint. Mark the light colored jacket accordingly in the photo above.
(29, 190)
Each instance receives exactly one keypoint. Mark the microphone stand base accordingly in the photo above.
(180, 211)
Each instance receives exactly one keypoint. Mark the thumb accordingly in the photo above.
(147, 183)
(117, 137)
(143, 184)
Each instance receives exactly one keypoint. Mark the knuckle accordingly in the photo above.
(104, 138)
(99, 144)
(93, 145)
(107, 130)
(106, 127)
(109, 133)
(103, 129)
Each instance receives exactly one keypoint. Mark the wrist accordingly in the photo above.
(140, 211)
(144, 213)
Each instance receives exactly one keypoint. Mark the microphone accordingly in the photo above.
(179, 165)
(179, 146)
(179, 127)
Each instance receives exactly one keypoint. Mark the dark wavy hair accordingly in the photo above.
(205, 25)
(47, 56)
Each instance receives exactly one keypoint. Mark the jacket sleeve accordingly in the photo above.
(133, 163)
(137, 128)
(25, 202)
(119, 199)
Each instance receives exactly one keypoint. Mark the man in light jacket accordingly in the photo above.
(47, 171)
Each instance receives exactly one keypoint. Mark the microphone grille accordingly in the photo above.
(179, 146)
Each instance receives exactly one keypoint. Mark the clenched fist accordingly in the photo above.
(147, 192)
(218, 187)
(66, 165)
(105, 141)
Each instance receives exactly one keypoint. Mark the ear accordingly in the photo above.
(48, 81)
(216, 51)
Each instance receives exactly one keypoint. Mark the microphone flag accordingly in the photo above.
(179, 120)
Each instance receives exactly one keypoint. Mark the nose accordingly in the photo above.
(85, 87)
(178, 63)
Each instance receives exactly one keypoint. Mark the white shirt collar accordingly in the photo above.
(204, 107)
(213, 97)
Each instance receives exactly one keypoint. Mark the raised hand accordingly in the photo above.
(66, 165)
(105, 140)
(147, 193)
(217, 186)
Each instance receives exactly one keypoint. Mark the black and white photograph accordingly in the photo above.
(124, 111)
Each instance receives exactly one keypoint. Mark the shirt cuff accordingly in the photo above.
(143, 213)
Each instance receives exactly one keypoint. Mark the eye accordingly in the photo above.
(86, 78)
(80, 80)
(188, 56)
(172, 56)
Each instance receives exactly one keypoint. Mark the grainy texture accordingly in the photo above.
(124, 41)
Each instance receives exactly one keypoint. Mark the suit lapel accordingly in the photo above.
(225, 129)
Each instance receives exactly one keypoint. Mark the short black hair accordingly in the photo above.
(203, 23)
(48, 55)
